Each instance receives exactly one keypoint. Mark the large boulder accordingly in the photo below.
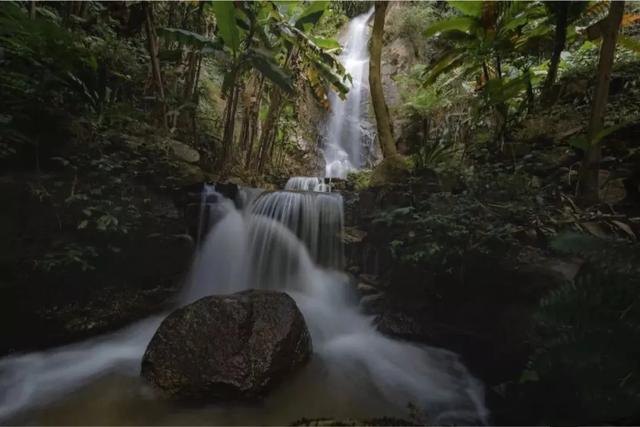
(227, 346)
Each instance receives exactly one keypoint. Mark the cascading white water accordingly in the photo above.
(286, 241)
(345, 135)
(285, 238)
(315, 218)
(307, 183)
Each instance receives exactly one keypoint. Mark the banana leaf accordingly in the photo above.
(225, 13)
(470, 8)
(189, 38)
(312, 14)
(463, 24)
(263, 60)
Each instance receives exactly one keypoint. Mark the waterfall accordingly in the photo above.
(315, 218)
(348, 136)
(282, 240)
(289, 241)
(306, 183)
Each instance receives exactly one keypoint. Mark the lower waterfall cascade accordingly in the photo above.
(282, 240)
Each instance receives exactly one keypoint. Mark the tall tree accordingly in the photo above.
(564, 13)
(383, 119)
(589, 184)
(153, 48)
(560, 10)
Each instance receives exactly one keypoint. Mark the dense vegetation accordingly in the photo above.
(514, 136)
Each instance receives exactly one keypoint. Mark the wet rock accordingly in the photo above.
(613, 191)
(403, 325)
(371, 280)
(373, 303)
(337, 184)
(365, 289)
(227, 347)
(227, 189)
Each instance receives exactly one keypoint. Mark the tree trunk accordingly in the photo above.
(249, 97)
(82, 8)
(530, 94)
(32, 9)
(559, 42)
(229, 126)
(588, 186)
(253, 123)
(152, 46)
(383, 120)
(268, 129)
(485, 72)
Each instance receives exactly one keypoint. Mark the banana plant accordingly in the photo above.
(485, 38)
(274, 39)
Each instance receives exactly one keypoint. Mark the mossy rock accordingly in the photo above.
(390, 170)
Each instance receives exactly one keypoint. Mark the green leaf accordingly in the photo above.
(502, 90)
(225, 12)
(611, 129)
(529, 375)
(582, 143)
(462, 24)
(188, 38)
(579, 142)
(311, 14)
(264, 62)
(446, 63)
(470, 8)
(629, 43)
(335, 80)
(325, 43)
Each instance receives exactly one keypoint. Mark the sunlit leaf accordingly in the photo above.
(463, 24)
(311, 14)
(470, 8)
(447, 63)
(629, 43)
(325, 43)
(264, 62)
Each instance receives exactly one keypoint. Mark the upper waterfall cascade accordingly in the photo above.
(348, 139)
(306, 183)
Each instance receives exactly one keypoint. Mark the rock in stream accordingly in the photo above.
(227, 346)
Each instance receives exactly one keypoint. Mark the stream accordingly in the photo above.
(283, 240)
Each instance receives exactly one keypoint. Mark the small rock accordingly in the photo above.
(364, 289)
(370, 279)
(402, 325)
(613, 191)
(184, 152)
